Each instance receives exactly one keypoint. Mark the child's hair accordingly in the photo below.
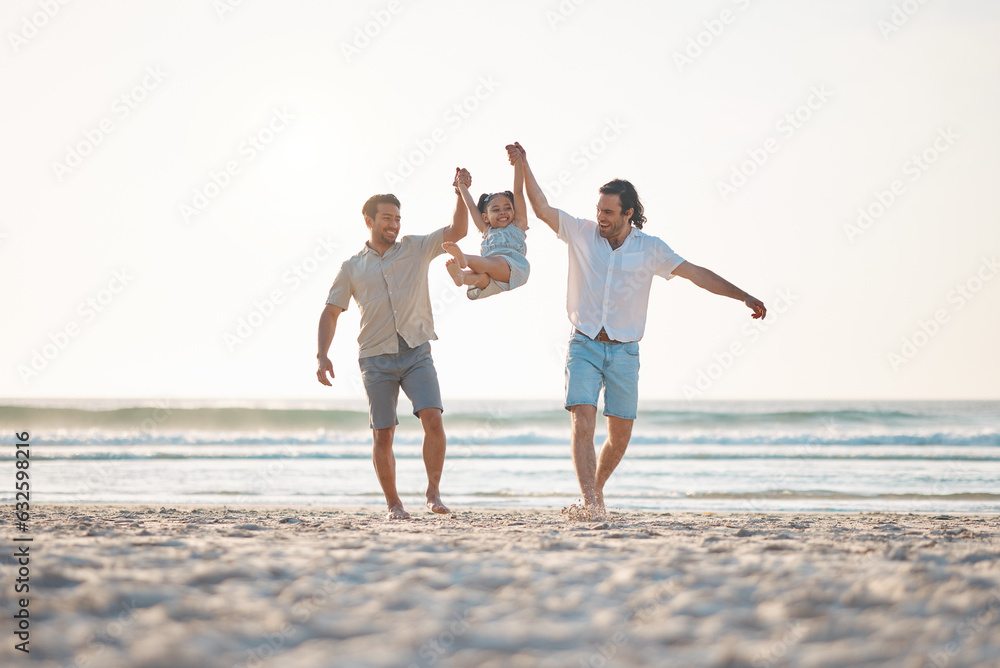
(485, 198)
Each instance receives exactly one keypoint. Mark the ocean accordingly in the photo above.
(925, 457)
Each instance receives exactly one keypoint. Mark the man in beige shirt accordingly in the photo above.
(388, 280)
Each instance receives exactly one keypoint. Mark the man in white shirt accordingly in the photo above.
(388, 280)
(611, 267)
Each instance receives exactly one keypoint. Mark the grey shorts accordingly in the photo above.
(411, 369)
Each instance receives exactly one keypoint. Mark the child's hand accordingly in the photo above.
(462, 176)
(514, 152)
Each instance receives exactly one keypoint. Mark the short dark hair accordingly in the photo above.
(371, 206)
(629, 198)
(486, 198)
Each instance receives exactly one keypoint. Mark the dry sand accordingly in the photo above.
(301, 587)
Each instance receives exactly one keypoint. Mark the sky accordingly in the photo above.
(182, 181)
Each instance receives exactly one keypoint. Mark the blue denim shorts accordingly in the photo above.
(591, 365)
(411, 369)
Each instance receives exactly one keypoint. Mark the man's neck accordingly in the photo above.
(616, 242)
(379, 248)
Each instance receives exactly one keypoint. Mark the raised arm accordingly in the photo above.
(547, 214)
(327, 327)
(460, 222)
(707, 279)
(462, 188)
(520, 206)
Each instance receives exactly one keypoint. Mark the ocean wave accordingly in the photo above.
(60, 437)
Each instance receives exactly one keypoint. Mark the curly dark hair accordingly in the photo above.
(485, 198)
(629, 198)
(371, 206)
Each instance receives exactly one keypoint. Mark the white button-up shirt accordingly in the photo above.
(392, 293)
(608, 287)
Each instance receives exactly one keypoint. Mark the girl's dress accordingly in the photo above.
(508, 243)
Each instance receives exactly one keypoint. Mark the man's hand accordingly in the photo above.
(326, 366)
(463, 177)
(755, 305)
(515, 152)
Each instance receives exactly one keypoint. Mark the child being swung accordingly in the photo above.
(502, 218)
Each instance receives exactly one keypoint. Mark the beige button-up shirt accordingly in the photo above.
(392, 293)
(608, 287)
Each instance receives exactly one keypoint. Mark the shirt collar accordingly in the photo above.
(368, 249)
(632, 232)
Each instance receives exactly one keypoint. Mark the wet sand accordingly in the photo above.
(302, 587)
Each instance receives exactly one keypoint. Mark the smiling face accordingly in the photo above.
(612, 222)
(385, 224)
(499, 212)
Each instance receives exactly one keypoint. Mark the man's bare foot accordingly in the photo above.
(455, 273)
(456, 252)
(435, 505)
(397, 513)
(583, 513)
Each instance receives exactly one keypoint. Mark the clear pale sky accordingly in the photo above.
(754, 132)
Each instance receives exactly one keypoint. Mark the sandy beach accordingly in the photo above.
(115, 586)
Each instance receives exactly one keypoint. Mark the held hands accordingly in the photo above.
(757, 306)
(515, 152)
(325, 366)
(462, 177)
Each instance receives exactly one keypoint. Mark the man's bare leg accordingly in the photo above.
(584, 422)
(385, 469)
(434, 448)
(619, 434)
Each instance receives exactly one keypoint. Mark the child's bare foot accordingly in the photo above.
(456, 252)
(456, 273)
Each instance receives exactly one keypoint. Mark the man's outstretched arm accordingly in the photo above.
(545, 213)
(460, 221)
(707, 279)
(327, 327)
